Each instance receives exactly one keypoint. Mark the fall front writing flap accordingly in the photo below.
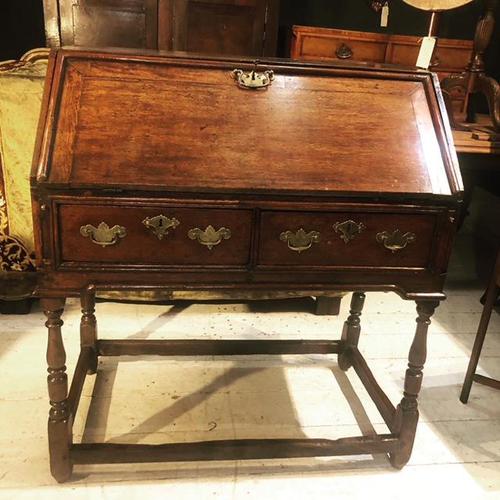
(179, 124)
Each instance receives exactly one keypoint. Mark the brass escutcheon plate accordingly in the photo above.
(348, 229)
(160, 225)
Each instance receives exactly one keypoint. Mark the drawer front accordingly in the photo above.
(329, 239)
(446, 58)
(154, 235)
(338, 47)
(403, 53)
(454, 59)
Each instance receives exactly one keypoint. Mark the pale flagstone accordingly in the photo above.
(154, 400)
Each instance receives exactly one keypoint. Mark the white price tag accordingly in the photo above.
(384, 15)
(426, 51)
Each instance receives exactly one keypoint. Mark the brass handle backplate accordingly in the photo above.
(103, 235)
(300, 240)
(160, 225)
(348, 229)
(397, 240)
(253, 79)
(209, 237)
(344, 52)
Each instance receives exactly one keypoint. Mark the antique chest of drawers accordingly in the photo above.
(311, 43)
(166, 172)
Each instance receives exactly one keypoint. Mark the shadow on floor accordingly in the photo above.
(285, 419)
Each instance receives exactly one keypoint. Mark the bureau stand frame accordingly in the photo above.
(401, 420)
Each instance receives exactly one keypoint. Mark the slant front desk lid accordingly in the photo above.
(173, 123)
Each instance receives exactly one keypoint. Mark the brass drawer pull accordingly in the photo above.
(209, 237)
(344, 52)
(103, 235)
(300, 240)
(396, 240)
(348, 229)
(160, 225)
(253, 79)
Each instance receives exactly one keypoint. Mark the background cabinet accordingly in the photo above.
(310, 43)
(225, 26)
(247, 27)
(127, 23)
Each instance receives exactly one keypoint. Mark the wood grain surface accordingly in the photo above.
(194, 129)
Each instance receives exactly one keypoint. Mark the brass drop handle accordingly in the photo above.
(209, 237)
(300, 241)
(103, 235)
(344, 52)
(160, 225)
(397, 240)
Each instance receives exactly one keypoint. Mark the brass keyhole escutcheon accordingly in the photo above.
(160, 225)
(348, 229)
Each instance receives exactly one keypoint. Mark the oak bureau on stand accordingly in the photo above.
(159, 171)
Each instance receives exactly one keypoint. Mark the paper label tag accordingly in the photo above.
(426, 51)
(384, 16)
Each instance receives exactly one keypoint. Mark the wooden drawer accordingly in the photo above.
(453, 58)
(449, 56)
(341, 47)
(329, 248)
(138, 244)
(310, 43)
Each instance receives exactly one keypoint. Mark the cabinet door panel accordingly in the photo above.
(109, 23)
(235, 27)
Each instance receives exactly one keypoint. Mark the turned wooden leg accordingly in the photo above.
(88, 325)
(407, 411)
(492, 294)
(60, 421)
(351, 330)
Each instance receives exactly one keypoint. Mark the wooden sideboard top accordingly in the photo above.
(381, 37)
(474, 140)
(312, 43)
(165, 122)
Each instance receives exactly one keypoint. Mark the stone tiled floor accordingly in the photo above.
(153, 400)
